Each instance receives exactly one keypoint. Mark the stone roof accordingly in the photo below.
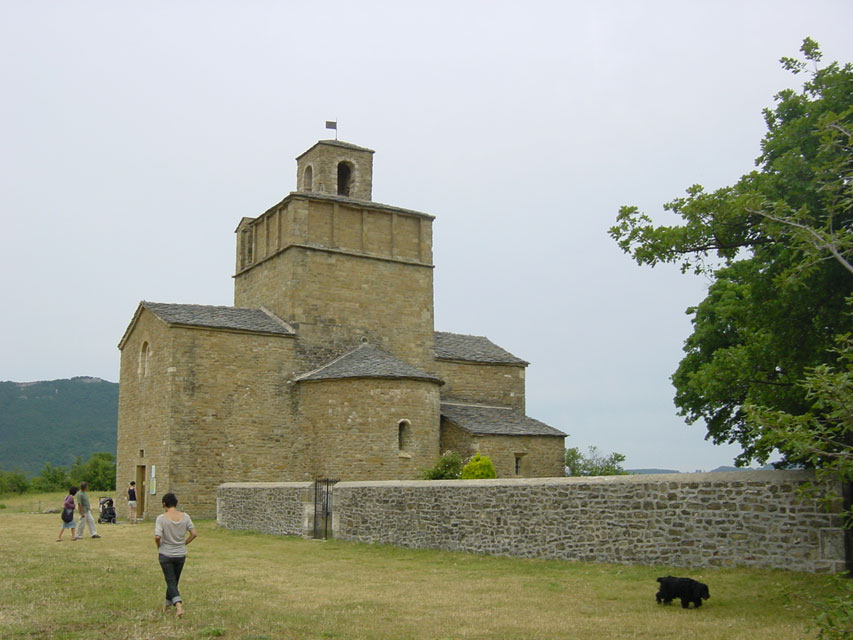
(233, 318)
(336, 143)
(457, 346)
(367, 361)
(497, 421)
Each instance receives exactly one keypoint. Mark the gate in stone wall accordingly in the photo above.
(323, 507)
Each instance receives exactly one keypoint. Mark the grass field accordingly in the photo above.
(253, 586)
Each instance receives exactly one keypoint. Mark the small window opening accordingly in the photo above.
(344, 178)
(404, 435)
(142, 453)
(518, 458)
(144, 355)
(248, 246)
(308, 179)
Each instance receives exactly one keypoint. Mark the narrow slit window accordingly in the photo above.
(404, 435)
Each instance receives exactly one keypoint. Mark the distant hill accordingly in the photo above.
(56, 421)
(640, 472)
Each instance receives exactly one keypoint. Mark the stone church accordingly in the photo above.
(327, 365)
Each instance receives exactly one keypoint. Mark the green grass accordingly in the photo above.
(31, 502)
(252, 586)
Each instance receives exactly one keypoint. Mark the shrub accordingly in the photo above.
(13, 482)
(448, 467)
(479, 467)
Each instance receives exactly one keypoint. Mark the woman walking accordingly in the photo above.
(173, 531)
(68, 512)
(131, 503)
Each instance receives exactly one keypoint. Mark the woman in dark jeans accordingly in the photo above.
(170, 534)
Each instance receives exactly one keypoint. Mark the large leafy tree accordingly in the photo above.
(778, 248)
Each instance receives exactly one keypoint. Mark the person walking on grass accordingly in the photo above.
(68, 512)
(173, 531)
(85, 513)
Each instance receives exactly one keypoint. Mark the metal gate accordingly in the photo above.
(323, 507)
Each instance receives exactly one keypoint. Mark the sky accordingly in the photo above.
(135, 136)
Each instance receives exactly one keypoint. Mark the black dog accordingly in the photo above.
(687, 589)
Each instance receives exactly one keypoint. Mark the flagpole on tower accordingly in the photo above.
(333, 124)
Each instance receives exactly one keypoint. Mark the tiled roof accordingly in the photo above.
(499, 421)
(366, 361)
(456, 346)
(234, 318)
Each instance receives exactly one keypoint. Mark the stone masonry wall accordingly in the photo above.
(355, 426)
(749, 518)
(284, 508)
(482, 383)
(143, 412)
(539, 456)
(340, 274)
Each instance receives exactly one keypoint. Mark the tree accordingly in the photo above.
(51, 479)
(595, 464)
(479, 468)
(777, 246)
(99, 471)
(13, 482)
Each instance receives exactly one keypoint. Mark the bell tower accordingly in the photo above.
(336, 169)
(338, 267)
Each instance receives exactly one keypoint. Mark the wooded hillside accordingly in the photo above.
(56, 421)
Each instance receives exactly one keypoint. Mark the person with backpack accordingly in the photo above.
(68, 514)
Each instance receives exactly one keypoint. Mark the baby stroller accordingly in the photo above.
(108, 512)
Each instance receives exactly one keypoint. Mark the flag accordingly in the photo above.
(332, 124)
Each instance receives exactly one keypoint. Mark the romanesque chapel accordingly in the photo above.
(327, 365)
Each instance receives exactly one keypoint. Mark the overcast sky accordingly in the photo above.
(136, 135)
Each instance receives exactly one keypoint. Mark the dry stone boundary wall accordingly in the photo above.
(745, 518)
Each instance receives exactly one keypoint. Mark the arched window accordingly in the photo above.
(144, 354)
(308, 179)
(404, 435)
(344, 178)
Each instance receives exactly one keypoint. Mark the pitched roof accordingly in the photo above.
(336, 143)
(211, 317)
(499, 421)
(366, 361)
(457, 346)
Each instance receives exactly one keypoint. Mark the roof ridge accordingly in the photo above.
(329, 363)
(274, 317)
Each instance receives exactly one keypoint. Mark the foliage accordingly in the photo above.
(55, 421)
(777, 246)
(479, 468)
(834, 612)
(822, 436)
(51, 479)
(99, 471)
(595, 464)
(14, 482)
(448, 467)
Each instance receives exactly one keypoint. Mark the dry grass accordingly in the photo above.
(251, 586)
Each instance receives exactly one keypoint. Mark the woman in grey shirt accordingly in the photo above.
(170, 534)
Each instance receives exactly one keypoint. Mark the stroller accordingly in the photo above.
(107, 511)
